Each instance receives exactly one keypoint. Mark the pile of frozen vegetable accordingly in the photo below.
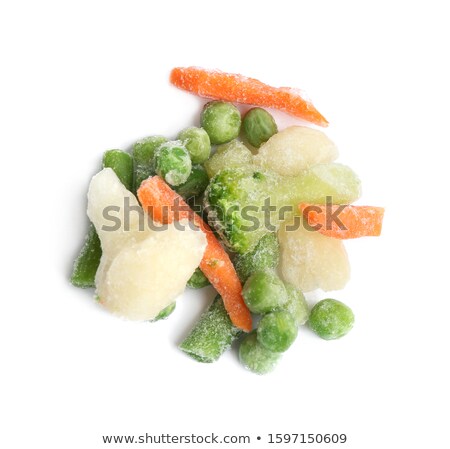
(258, 214)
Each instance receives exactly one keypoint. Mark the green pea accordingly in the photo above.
(331, 319)
(297, 305)
(266, 255)
(198, 280)
(277, 331)
(221, 120)
(143, 152)
(212, 335)
(195, 184)
(172, 163)
(264, 292)
(196, 141)
(259, 126)
(255, 357)
(165, 312)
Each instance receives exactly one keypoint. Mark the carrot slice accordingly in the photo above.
(344, 221)
(240, 89)
(166, 206)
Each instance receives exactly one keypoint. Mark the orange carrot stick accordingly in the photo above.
(240, 89)
(166, 206)
(344, 221)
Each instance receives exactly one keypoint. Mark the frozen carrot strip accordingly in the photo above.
(241, 89)
(344, 221)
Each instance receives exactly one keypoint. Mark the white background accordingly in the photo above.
(78, 78)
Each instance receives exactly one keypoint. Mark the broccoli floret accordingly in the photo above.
(244, 204)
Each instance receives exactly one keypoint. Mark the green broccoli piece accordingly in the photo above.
(244, 204)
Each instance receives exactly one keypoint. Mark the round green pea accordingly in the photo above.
(172, 162)
(331, 319)
(277, 331)
(259, 126)
(196, 141)
(297, 305)
(165, 312)
(255, 357)
(197, 280)
(221, 120)
(264, 292)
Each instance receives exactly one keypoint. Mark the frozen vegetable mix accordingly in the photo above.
(257, 213)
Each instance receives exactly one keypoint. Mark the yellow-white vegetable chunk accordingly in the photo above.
(114, 211)
(147, 276)
(144, 266)
(295, 149)
(310, 260)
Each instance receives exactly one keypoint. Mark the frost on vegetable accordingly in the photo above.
(309, 260)
(277, 331)
(143, 152)
(196, 141)
(173, 163)
(212, 335)
(331, 319)
(264, 292)
(264, 256)
(138, 261)
(228, 155)
(221, 120)
(297, 305)
(295, 149)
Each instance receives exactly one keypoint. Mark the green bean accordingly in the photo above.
(87, 262)
(143, 152)
(198, 280)
(212, 335)
(122, 164)
(165, 312)
(195, 184)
